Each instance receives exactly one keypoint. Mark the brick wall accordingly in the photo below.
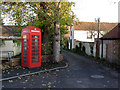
(112, 50)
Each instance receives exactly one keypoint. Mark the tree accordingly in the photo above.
(56, 49)
(49, 16)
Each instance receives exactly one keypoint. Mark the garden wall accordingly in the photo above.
(99, 50)
(9, 45)
(86, 45)
(111, 50)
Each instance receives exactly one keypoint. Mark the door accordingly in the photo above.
(36, 50)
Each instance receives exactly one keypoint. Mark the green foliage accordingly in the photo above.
(46, 51)
(83, 48)
(77, 50)
(106, 32)
(18, 42)
(98, 58)
(91, 56)
(91, 47)
(40, 14)
(2, 42)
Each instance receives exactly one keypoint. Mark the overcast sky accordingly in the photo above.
(88, 10)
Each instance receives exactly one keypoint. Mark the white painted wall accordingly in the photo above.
(69, 42)
(100, 51)
(76, 43)
(10, 46)
(71, 37)
(81, 35)
(104, 51)
(72, 29)
(87, 48)
(94, 50)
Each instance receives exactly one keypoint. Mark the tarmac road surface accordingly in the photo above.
(81, 73)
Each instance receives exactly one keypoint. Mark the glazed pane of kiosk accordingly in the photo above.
(35, 48)
(31, 47)
(25, 48)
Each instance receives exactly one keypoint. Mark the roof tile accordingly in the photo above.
(114, 33)
(94, 26)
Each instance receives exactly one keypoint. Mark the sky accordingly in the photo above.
(88, 10)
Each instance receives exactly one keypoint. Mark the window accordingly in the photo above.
(89, 35)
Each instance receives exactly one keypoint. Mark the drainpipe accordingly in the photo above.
(98, 27)
(102, 49)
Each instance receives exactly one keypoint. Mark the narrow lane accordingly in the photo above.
(90, 73)
(81, 73)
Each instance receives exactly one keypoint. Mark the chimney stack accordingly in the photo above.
(95, 20)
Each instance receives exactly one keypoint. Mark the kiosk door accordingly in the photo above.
(36, 53)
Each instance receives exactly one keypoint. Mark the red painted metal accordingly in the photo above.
(31, 47)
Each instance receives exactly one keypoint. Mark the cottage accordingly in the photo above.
(86, 33)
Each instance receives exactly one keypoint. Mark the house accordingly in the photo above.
(85, 33)
(7, 34)
(70, 37)
(109, 46)
(88, 31)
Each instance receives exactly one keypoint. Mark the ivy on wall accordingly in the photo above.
(2, 42)
(18, 42)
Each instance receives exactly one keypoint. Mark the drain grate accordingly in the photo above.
(79, 81)
(97, 76)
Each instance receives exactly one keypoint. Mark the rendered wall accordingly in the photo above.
(8, 45)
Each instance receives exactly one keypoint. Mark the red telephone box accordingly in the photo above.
(31, 47)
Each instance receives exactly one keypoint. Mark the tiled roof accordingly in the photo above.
(94, 26)
(9, 30)
(114, 33)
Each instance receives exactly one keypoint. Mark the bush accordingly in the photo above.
(46, 48)
(97, 57)
(83, 48)
(91, 56)
(91, 50)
